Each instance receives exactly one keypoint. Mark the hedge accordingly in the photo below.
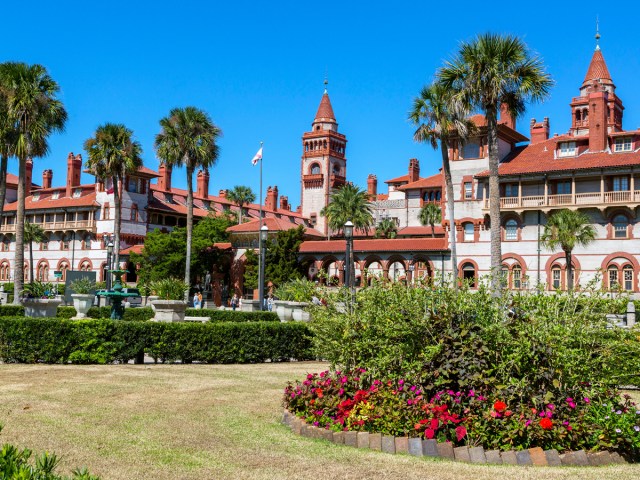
(10, 310)
(233, 315)
(30, 340)
(130, 314)
(66, 312)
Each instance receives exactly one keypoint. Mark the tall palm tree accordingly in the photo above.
(34, 113)
(6, 146)
(567, 229)
(349, 203)
(439, 119)
(188, 138)
(112, 153)
(430, 214)
(488, 72)
(241, 196)
(387, 228)
(32, 233)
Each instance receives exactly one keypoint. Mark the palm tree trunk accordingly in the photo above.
(3, 181)
(117, 200)
(567, 256)
(18, 267)
(433, 230)
(494, 199)
(31, 260)
(240, 214)
(187, 269)
(446, 167)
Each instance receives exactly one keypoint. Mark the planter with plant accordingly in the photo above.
(170, 305)
(39, 300)
(83, 295)
(294, 296)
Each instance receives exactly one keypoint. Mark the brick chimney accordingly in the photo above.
(222, 194)
(372, 185)
(284, 203)
(28, 177)
(203, 184)
(539, 132)
(506, 118)
(414, 170)
(271, 202)
(47, 178)
(164, 181)
(74, 169)
(299, 209)
(598, 131)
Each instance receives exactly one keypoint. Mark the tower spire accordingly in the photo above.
(597, 34)
(326, 82)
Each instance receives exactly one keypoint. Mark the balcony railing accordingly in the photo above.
(51, 226)
(591, 199)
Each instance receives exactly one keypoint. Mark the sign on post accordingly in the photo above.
(57, 274)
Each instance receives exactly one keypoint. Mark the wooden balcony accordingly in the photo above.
(88, 225)
(599, 200)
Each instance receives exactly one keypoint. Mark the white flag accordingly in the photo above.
(257, 157)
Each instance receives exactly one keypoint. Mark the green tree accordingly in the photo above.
(251, 266)
(241, 196)
(439, 119)
(33, 233)
(490, 71)
(387, 228)
(430, 214)
(34, 112)
(188, 138)
(567, 229)
(348, 203)
(6, 147)
(114, 154)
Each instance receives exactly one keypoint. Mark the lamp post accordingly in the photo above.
(348, 274)
(264, 233)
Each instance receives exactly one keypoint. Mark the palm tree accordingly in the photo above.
(6, 144)
(430, 214)
(490, 71)
(567, 229)
(387, 228)
(348, 203)
(241, 196)
(34, 113)
(188, 138)
(32, 233)
(113, 154)
(439, 119)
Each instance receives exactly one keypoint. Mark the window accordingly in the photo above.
(134, 213)
(627, 275)
(44, 245)
(5, 271)
(471, 150)
(516, 277)
(336, 169)
(620, 184)
(468, 232)
(55, 195)
(85, 266)
(622, 144)
(315, 169)
(36, 197)
(63, 267)
(556, 275)
(613, 278)
(86, 242)
(77, 192)
(504, 276)
(469, 274)
(567, 149)
(511, 230)
(43, 272)
(468, 190)
(563, 188)
(64, 243)
(511, 190)
(107, 212)
(620, 224)
(5, 245)
(133, 185)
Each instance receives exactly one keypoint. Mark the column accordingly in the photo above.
(546, 191)
(519, 192)
(601, 188)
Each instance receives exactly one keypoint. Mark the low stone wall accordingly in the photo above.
(431, 448)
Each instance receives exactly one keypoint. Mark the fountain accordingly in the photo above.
(117, 295)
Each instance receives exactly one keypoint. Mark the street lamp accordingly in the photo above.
(264, 233)
(348, 235)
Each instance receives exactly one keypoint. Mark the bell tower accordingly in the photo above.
(324, 165)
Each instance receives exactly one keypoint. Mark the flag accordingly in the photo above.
(258, 157)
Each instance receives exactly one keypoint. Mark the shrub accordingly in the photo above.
(8, 287)
(301, 290)
(130, 314)
(66, 312)
(37, 289)
(26, 340)
(82, 286)
(170, 289)
(11, 311)
(232, 316)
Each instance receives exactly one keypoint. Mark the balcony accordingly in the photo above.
(314, 180)
(88, 225)
(585, 200)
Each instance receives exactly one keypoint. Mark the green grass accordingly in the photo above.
(203, 422)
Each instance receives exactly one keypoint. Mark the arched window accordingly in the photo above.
(469, 274)
(620, 226)
(85, 266)
(556, 277)
(315, 169)
(471, 150)
(516, 277)
(612, 274)
(511, 230)
(63, 267)
(5, 271)
(336, 169)
(468, 232)
(627, 278)
(504, 276)
(43, 272)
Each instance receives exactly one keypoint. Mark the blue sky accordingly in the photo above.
(258, 69)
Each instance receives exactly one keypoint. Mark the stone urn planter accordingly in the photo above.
(41, 307)
(279, 308)
(150, 300)
(169, 310)
(250, 305)
(298, 312)
(82, 302)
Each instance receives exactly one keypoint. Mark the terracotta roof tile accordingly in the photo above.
(421, 231)
(133, 248)
(87, 200)
(376, 245)
(403, 178)
(325, 110)
(597, 69)
(273, 224)
(428, 182)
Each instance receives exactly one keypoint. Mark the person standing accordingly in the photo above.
(235, 301)
(196, 301)
(270, 302)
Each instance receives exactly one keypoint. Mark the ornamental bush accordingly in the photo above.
(11, 311)
(66, 312)
(130, 314)
(232, 316)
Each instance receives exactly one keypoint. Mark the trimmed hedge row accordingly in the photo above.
(233, 316)
(130, 314)
(30, 340)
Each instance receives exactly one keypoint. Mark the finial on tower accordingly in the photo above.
(597, 34)
(326, 82)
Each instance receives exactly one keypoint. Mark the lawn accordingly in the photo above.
(202, 422)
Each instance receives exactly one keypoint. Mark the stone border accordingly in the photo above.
(431, 448)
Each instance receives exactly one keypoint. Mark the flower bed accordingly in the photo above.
(587, 418)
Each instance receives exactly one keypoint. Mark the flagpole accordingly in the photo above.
(260, 252)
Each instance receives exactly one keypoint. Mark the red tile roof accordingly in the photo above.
(433, 181)
(325, 110)
(376, 245)
(222, 245)
(44, 202)
(403, 178)
(597, 69)
(421, 231)
(134, 248)
(273, 224)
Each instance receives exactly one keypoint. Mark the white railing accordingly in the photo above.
(589, 198)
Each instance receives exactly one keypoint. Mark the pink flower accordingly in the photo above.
(527, 423)
(586, 400)
(341, 392)
(472, 393)
(461, 432)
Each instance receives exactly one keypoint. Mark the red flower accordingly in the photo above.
(428, 433)
(319, 392)
(460, 432)
(499, 406)
(546, 424)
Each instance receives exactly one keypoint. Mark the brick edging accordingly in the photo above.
(431, 448)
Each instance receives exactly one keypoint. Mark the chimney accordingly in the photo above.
(203, 184)
(299, 209)
(506, 118)
(372, 185)
(539, 132)
(222, 194)
(47, 178)
(28, 177)
(74, 169)
(598, 131)
(164, 182)
(414, 170)
(271, 202)
(284, 203)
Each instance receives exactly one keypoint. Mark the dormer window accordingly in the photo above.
(622, 144)
(168, 197)
(567, 149)
(36, 197)
(55, 195)
(471, 150)
(77, 192)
